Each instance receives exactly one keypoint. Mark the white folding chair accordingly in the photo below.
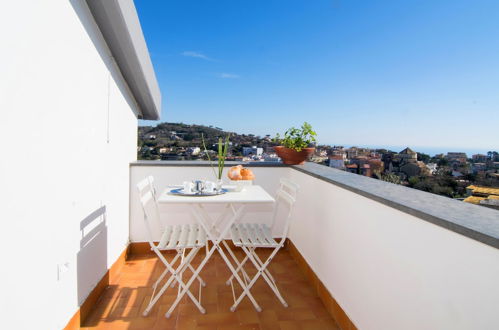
(179, 238)
(250, 236)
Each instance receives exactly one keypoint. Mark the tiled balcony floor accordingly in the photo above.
(121, 305)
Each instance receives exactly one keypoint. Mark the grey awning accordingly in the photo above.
(119, 24)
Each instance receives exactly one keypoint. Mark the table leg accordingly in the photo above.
(200, 215)
(214, 230)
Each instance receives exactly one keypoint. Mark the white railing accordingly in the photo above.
(386, 268)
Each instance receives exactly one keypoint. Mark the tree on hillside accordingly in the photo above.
(425, 158)
(443, 162)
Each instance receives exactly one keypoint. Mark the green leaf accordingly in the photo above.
(298, 139)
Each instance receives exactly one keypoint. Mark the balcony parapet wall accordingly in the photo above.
(476, 222)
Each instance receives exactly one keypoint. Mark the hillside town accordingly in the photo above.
(177, 141)
(472, 179)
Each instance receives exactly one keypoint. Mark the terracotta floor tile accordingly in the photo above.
(189, 309)
(248, 316)
(186, 323)
(269, 325)
(123, 313)
(140, 323)
(318, 325)
(321, 312)
(253, 326)
(301, 313)
(223, 318)
(289, 325)
(207, 327)
(162, 322)
(122, 304)
(116, 325)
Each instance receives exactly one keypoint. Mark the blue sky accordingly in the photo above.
(415, 73)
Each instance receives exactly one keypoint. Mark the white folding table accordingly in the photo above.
(232, 203)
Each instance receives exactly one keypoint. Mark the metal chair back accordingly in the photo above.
(149, 206)
(285, 198)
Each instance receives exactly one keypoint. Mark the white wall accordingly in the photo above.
(387, 269)
(68, 133)
(390, 270)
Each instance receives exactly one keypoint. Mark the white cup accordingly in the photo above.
(209, 186)
(187, 187)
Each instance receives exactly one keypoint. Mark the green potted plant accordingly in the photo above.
(297, 144)
(223, 148)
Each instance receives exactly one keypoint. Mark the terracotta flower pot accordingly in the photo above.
(293, 157)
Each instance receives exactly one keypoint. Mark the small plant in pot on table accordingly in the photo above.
(297, 144)
(223, 147)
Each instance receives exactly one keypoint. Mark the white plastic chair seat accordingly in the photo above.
(182, 237)
(252, 235)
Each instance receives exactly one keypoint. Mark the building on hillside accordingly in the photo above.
(337, 161)
(352, 168)
(478, 167)
(269, 150)
(364, 151)
(456, 156)
(337, 149)
(252, 151)
(365, 170)
(408, 155)
(479, 158)
(355, 152)
(387, 159)
(194, 151)
(359, 160)
(399, 162)
(410, 169)
(432, 168)
(339, 153)
(321, 152)
(352, 152)
(318, 159)
(271, 158)
(457, 160)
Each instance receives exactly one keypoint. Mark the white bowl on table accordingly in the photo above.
(239, 185)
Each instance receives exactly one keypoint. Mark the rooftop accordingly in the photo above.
(484, 190)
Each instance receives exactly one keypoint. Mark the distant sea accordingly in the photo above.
(432, 151)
